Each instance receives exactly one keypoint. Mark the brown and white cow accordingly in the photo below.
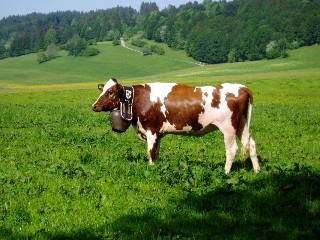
(162, 108)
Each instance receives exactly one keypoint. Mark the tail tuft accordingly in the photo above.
(245, 151)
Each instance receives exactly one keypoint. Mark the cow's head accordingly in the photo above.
(110, 96)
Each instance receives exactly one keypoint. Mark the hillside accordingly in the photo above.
(24, 73)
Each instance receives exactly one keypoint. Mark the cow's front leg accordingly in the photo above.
(153, 141)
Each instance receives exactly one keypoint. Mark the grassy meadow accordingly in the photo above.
(65, 175)
(24, 72)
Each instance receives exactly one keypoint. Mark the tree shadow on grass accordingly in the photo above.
(279, 205)
(285, 205)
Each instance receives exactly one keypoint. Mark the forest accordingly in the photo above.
(210, 32)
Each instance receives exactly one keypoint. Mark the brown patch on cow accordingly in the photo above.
(238, 105)
(148, 112)
(183, 107)
(216, 97)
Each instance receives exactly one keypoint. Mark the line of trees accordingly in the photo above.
(211, 31)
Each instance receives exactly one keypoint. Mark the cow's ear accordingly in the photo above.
(120, 89)
(100, 86)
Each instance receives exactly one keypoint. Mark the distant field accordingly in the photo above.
(65, 175)
(303, 61)
(111, 62)
(66, 72)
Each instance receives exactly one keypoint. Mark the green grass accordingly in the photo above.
(303, 61)
(65, 175)
(111, 62)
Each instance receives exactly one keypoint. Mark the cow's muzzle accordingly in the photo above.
(96, 108)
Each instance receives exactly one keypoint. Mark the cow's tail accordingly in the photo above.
(249, 113)
(246, 134)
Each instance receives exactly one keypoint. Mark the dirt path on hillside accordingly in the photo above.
(123, 44)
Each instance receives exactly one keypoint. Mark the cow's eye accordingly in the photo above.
(110, 93)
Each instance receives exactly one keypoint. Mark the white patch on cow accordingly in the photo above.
(140, 128)
(217, 116)
(160, 91)
(207, 95)
(209, 113)
(186, 129)
(151, 138)
(108, 85)
(231, 88)
(224, 111)
(167, 127)
(151, 141)
(223, 107)
(163, 109)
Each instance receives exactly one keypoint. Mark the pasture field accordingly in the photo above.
(65, 175)
(24, 72)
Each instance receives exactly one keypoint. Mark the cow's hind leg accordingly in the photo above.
(231, 149)
(243, 135)
(153, 141)
(248, 144)
(253, 155)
